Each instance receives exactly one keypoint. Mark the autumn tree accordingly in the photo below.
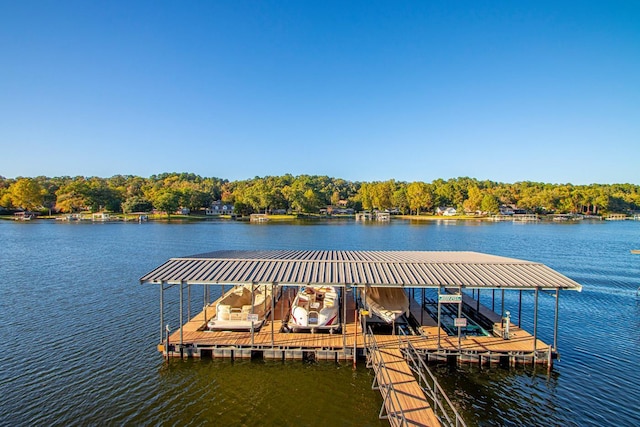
(419, 196)
(26, 193)
(474, 200)
(72, 196)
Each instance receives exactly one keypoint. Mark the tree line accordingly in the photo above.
(307, 194)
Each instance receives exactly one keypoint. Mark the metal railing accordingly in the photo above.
(395, 411)
(444, 409)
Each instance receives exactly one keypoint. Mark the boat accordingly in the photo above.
(315, 308)
(388, 304)
(235, 311)
(635, 251)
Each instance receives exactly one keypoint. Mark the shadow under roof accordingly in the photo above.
(360, 268)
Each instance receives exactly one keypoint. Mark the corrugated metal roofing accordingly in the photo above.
(360, 268)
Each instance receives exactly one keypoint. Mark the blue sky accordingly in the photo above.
(361, 90)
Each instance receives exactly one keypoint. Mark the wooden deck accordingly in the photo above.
(404, 401)
(274, 341)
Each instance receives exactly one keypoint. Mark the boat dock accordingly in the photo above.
(444, 321)
(272, 341)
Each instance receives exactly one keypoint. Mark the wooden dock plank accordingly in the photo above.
(193, 332)
(403, 397)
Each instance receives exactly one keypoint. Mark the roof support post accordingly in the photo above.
(459, 316)
(344, 319)
(181, 316)
(502, 304)
(273, 308)
(535, 324)
(520, 308)
(161, 312)
(478, 302)
(438, 319)
(555, 321)
(422, 307)
(282, 304)
(253, 301)
(188, 301)
(364, 320)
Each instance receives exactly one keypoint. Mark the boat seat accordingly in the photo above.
(223, 311)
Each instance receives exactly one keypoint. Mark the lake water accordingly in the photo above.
(79, 332)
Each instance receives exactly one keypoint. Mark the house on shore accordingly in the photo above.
(446, 211)
(219, 208)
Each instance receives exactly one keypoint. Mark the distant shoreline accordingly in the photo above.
(311, 217)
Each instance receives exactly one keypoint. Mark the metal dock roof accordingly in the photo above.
(360, 268)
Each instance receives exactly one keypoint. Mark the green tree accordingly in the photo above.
(26, 193)
(100, 196)
(419, 196)
(400, 200)
(136, 204)
(166, 200)
(490, 204)
(366, 196)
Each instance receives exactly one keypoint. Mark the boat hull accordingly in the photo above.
(315, 308)
(387, 304)
(239, 310)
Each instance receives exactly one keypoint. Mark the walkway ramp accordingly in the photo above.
(404, 401)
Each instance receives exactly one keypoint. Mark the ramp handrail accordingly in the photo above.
(391, 396)
(433, 389)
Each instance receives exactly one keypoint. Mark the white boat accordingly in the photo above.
(235, 311)
(315, 307)
(386, 303)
